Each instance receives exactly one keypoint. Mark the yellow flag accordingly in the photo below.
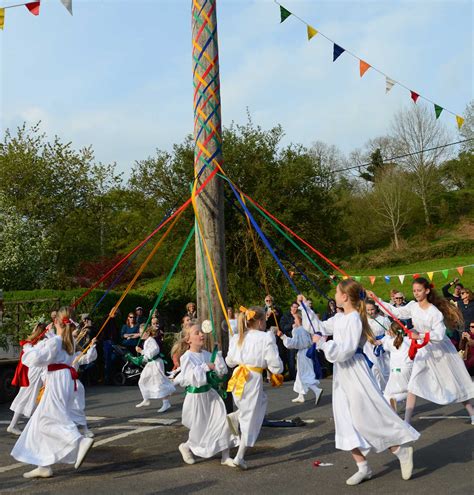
(430, 275)
(460, 121)
(311, 32)
(2, 18)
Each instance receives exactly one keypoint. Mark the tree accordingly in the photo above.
(467, 129)
(416, 130)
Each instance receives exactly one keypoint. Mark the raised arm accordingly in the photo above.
(271, 356)
(43, 353)
(345, 348)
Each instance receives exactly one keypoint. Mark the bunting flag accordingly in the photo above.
(389, 83)
(358, 278)
(430, 275)
(68, 5)
(438, 110)
(372, 279)
(416, 275)
(284, 14)
(2, 18)
(460, 121)
(414, 96)
(460, 270)
(337, 52)
(387, 279)
(445, 273)
(33, 7)
(401, 278)
(363, 67)
(311, 32)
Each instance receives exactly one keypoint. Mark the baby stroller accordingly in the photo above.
(130, 368)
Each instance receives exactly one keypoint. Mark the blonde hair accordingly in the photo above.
(356, 294)
(63, 314)
(244, 323)
(181, 345)
(36, 333)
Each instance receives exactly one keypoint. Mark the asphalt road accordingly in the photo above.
(135, 454)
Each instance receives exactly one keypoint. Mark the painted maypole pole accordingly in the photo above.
(207, 154)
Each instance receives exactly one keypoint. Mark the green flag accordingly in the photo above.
(438, 110)
(358, 278)
(445, 273)
(284, 14)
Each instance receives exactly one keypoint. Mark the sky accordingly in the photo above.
(117, 75)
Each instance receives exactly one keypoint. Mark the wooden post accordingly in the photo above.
(208, 152)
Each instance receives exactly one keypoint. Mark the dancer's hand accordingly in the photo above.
(211, 366)
(415, 335)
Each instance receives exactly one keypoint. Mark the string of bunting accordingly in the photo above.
(401, 277)
(364, 66)
(33, 7)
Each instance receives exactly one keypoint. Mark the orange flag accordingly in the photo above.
(372, 279)
(363, 67)
(460, 270)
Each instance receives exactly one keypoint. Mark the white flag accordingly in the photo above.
(389, 83)
(68, 5)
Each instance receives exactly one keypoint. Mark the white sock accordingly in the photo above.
(363, 466)
(241, 451)
(225, 455)
(14, 421)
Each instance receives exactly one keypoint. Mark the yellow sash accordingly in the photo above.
(239, 378)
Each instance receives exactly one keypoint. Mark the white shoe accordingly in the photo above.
(405, 456)
(87, 433)
(84, 447)
(233, 422)
(39, 472)
(228, 462)
(318, 394)
(472, 420)
(186, 453)
(359, 477)
(143, 403)
(299, 399)
(14, 430)
(166, 405)
(240, 463)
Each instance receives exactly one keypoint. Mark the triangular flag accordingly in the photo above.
(438, 110)
(414, 96)
(337, 51)
(357, 277)
(2, 18)
(401, 278)
(284, 14)
(460, 121)
(416, 275)
(387, 279)
(372, 279)
(363, 67)
(430, 275)
(345, 277)
(445, 273)
(311, 32)
(33, 7)
(389, 83)
(68, 5)
(460, 270)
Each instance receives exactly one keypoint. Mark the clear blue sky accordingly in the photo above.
(117, 74)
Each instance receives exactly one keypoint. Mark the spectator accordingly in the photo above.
(456, 297)
(191, 310)
(232, 321)
(130, 333)
(392, 296)
(272, 313)
(466, 306)
(286, 327)
(139, 316)
(466, 348)
(398, 301)
(331, 310)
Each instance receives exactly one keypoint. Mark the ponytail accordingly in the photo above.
(248, 319)
(63, 319)
(242, 328)
(366, 330)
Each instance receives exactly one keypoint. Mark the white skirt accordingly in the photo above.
(439, 374)
(51, 437)
(363, 418)
(153, 383)
(205, 416)
(397, 385)
(77, 411)
(304, 373)
(25, 401)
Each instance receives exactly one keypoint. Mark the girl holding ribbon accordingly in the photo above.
(252, 351)
(51, 436)
(438, 375)
(204, 412)
(363, 419)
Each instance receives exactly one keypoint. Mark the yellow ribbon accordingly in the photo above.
(240, 377)
(276, 380)
(249, 313)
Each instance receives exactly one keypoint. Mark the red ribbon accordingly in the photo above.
(74, 374)
(414, 346)
(20, 378)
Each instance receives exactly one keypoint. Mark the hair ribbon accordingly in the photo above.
(249, 313)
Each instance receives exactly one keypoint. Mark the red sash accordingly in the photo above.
(20, 379)
(74, 374)
(414, 346)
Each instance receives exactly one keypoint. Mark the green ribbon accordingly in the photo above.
(198, 390)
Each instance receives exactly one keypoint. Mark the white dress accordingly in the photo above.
(25, 401)
(362, 417)
(381, 363)
(153, 383)
(259, 350)
(78, 414)
(204, 413)
(439, 374)
(400, 369)
(51, 435)
(305, 376)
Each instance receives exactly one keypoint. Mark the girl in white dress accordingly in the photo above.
(252, 351)
(379, 324)
(204, 412)
(25, 401)
(305, 378)
(153, 383)
(363, 418)
(439, 374)
(51, 436)
(397, 346)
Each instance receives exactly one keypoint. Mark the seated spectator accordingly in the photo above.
(466, 306)
(466, 348)
(140, 315)
(398, 301)
(456, 297)
(331, 310)
(130, 332)
(191, 310)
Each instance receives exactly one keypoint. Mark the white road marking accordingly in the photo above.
(123, 435)
(4, 469)
(95, 418)
(117, 427)
(444, 417)
(154, 421)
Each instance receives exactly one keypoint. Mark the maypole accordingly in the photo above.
(207, 155)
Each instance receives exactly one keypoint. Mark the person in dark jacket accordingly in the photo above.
(456, 296)
(466, 306)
